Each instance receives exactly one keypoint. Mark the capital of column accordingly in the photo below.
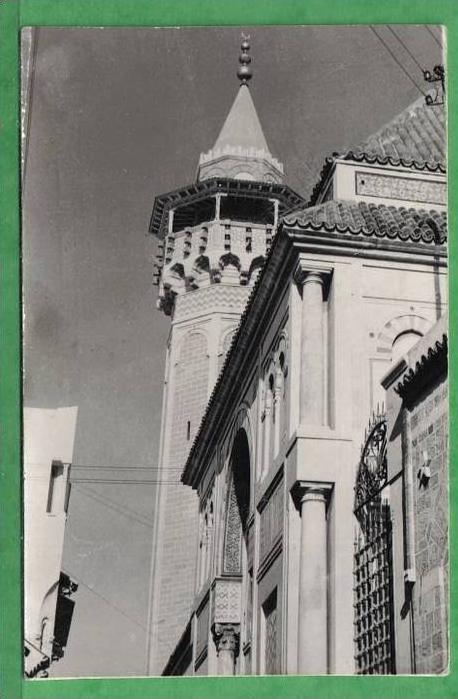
(226, 637)
(311, 491)
(304, 276)
(305, 273)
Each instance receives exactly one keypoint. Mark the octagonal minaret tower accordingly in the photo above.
(213, 238)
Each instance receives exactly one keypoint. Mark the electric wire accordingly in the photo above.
(98, 594)
(123, 468)
(118, 481)
(430, 31)
(114, 481)
(421, 68)
(118, 508)
(394, 57)
(106, 467)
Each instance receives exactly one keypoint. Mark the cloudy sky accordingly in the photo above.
(117, 117)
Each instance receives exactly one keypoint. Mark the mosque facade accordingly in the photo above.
(301, 522)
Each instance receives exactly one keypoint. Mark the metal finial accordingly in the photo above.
(244, 72)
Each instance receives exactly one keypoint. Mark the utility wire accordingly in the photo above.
(120, 481)
(394, 57)
(421, 68)
(106, 467)
(98, 594)
(95, 467)
(117, 507)
(430, 31)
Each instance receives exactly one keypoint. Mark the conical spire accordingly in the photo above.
(242, 127)
(241, 150)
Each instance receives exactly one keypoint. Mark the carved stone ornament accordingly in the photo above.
(227, 600)
(226, 638)
(233, 537)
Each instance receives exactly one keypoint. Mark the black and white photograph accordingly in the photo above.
(234, 303)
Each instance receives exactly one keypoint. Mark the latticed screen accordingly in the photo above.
(374, 639)
(270, 626)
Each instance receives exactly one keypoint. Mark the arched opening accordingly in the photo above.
(255, 268)
(241, 474)
(238, 504)
(403, 343)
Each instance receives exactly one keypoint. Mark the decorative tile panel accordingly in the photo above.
(404, 188)
(227, 601)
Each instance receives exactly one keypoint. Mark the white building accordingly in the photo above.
(48, 449)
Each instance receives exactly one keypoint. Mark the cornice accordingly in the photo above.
(430, 365)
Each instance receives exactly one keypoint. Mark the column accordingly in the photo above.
(170, 222)
(217, 207)
(227, 642)
(275, 201)
(312, 404)
(312, 656)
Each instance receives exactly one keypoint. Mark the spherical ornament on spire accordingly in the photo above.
(244, 72)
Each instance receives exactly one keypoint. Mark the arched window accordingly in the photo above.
(403, 343)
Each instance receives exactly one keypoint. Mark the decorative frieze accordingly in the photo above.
(403, 188)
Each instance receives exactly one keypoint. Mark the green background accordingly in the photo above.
(17, 13)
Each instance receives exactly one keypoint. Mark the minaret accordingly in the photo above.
(213, 239)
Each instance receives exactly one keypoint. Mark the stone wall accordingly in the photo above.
(428, 421)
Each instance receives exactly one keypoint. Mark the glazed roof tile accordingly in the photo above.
(415, 137)
(362, 218)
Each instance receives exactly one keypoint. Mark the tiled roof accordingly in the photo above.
(415, 137)
(361, 218)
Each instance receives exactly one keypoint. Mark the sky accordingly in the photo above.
(119, 116)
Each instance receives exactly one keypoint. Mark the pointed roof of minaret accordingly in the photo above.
(242, 126)
(241, 150)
